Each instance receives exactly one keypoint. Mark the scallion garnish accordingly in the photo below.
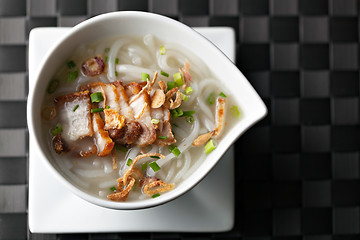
(157, 157)
(210, 146)
(96, 97)
(189, 90)
(170, 85)
(165, 74)
(121, 148)
(178, 79)
(116, 73)
(162, 137)
(154, 166)
(144, 166)
(177, 112)
(106, 59)
(113, 189)
(107, 107)
(53, 85)
(76, 107)
(184, 97)
(95, 110)
(155, 121)
(222, 94)
(156, 195)
(70, 64)
(188, 113)
(56, 130)
(71, 76)
(145, 76)
(235, 111)
(107, 49)
(190, 119)
(129, 161)
(211, 98)
(162, 50)
(174, 150)
(116, 60)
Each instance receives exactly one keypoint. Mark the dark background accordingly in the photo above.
(297, 171)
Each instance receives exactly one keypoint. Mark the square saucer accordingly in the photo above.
(53, 208)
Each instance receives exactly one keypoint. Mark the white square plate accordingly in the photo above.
(53, 208)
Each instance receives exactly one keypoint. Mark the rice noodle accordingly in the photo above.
(112, 56)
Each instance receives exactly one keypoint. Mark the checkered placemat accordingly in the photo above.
(297, 171)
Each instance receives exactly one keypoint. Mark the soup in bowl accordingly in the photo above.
(136, 108)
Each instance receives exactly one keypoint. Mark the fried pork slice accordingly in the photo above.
(74, 115)
(93, 88)
(123, 102)
(113, 120)
(219, 116)
(163, 129)
(111, 97)
(103, 142)
(140, 103)
(128, 134)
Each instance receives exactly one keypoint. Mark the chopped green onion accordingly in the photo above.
(95, 110)
(163, 137)
(144, 166)
(189, 90)
(121, 148)
(76, 107)
(165, 74)
(116, 60)
(156, 195)
(184, 97)
(53, 85)
(222, 94)
(170, 85)
(71, 64)
(174, 150)
(106, 59)
(235, 111)
(210, 146)
(71, 76)
(96, 97)
(107, 107)
(113, 189)
(162, 50)
(188, 113)
(56, 130)
(155, 121)
(211, 98)
(107, 49)
(178, 79)
(116, 73)
(190, 119)
(177, 112)
(129, 161)
(154, 166)
(145, 76)
(157, 157)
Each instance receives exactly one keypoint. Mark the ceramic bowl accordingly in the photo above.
(169, 30)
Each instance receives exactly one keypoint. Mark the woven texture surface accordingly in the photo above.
(297, 171)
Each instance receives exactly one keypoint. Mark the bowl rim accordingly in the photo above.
(147, 203)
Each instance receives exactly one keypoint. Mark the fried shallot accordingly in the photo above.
(157, 187)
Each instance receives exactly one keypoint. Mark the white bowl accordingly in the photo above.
(169, 30)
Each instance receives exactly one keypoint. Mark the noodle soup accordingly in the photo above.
(130, 118)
